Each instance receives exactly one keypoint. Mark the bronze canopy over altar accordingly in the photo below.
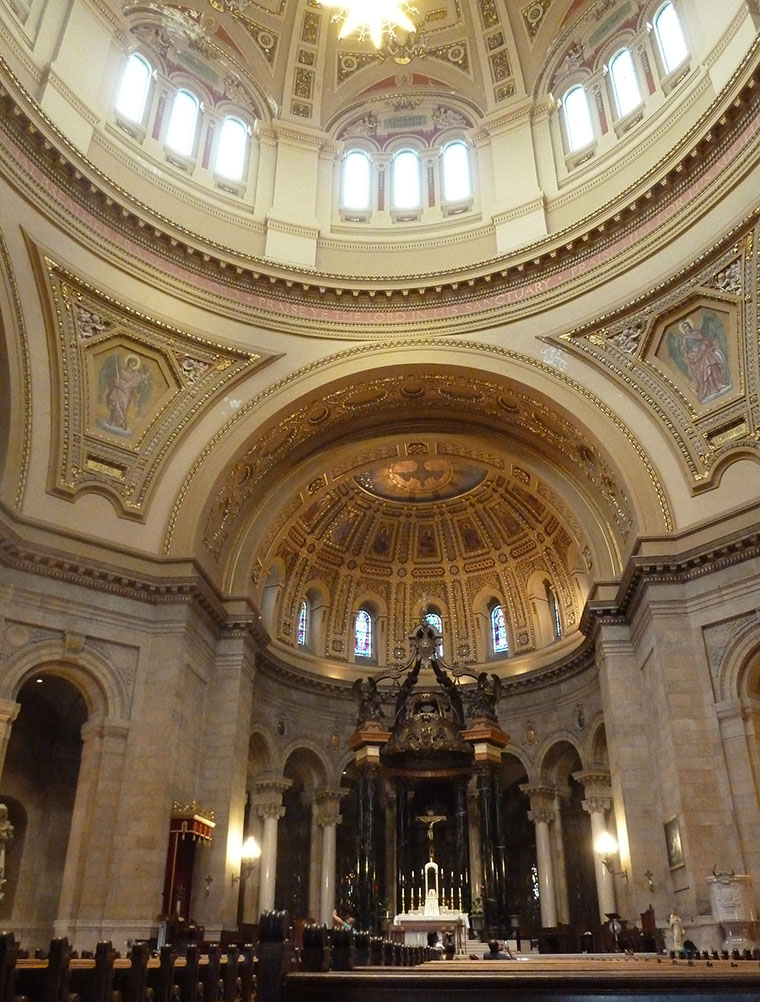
(428, 729)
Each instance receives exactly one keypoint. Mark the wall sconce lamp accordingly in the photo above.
(606, 847)
(249, 857)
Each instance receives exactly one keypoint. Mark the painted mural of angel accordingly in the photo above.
(124, 386)
(700, 353)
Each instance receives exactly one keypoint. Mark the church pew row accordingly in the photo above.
(143, 977)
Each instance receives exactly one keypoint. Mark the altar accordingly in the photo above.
(417, 925)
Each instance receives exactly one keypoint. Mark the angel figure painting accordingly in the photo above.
(124, 389)
(698, 348)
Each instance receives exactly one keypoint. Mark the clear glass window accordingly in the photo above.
(499, 630)
(303, 623)
(625, 82)
(407, 186)
(670, 37)
(363, 634)
(133, 92)
(231, 152)
(580, 128)
(455, 172)
(183, 121)
(357, 180)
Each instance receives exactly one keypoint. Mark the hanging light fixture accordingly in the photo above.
(378, 19)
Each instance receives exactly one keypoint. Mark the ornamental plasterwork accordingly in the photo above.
(692, 354)
(127, 387)
(520, 412)
(355, 544)
(533, 16)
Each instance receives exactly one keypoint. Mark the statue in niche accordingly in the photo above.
(6, 834)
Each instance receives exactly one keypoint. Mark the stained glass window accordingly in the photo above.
(499, 630)
(303, 623)
(133, 92)
(363, 634)
(670, 37)
(437, 623)
(554, 609)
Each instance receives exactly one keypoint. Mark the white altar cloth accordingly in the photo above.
(417, 925)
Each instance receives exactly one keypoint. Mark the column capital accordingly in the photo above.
(596, 805)
(596, 783)
(327, 804)
(542, 815)
(8, 710)
(541, 797)
(267, 796)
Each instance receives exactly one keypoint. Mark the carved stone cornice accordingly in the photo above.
(154, 581)
(658, 561)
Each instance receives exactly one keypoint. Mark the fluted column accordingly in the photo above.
(268, 801)
(327, 815)
(598, 801)
(542, 815)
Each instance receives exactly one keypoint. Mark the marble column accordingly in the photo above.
(327, 805)
(366, 743)
(494, 899)
(268, 801)
(462, 878)
(542, 815)
(8, 713)
(488, 742)
(366, 872)
(598, 801)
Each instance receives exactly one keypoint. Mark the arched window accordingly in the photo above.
(554, 611)
(499, 641)
(356, 187)
(670, 37)
(578, 124)
(363, 634)
(183, 121)
(625, 83)
(133, 92)
(233, 145)
(406, 180)
(434, 620)
(303, 623)
(456, 179)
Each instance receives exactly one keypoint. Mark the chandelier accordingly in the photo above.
(380, 20)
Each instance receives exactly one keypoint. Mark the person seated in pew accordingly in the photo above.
(494, 951)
